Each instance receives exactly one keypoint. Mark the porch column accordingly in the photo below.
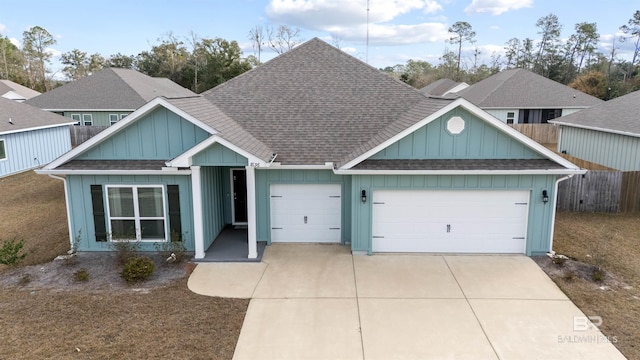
(251, 212)
(198, 233)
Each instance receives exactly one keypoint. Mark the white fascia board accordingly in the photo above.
(185, 159)
(87, 110)
(35, 128)
(480, 114)
(455, 89)
(141, 112)
(594, 128)
(114, 172)
(532, 107)
(462, 172)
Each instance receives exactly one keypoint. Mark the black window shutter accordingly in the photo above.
(175, 224)
(99, 219)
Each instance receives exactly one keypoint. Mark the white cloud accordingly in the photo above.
(496, 7)
(348, 19)
(3, 27)
(54, 53)
(15, 42)
(494, 27)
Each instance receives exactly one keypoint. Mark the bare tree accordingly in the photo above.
(632, 29)
(462, 33)
(283, 38)
(256, 35)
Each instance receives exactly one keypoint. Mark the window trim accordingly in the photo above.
(511, 115)
(122, 116)
(84, 122)
(78, 120)
(111, 116)
(136, 213)
(3, 145)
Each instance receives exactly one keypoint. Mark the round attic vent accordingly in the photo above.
(455, 125)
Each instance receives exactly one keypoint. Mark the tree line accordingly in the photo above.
(574, 61)
(201, 63)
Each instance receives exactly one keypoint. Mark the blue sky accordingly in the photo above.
(399, 30)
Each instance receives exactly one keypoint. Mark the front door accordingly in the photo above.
(239, 191)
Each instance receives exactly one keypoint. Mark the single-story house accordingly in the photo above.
(13, 91)
(519, 96)
(314, 146)
(30, 137)
(107, 96)
(606, 134)
(443, 87)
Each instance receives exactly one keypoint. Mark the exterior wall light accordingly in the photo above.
(545, 196)
(363, 196)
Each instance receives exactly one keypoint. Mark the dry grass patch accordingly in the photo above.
(34, 210)
(612, 242)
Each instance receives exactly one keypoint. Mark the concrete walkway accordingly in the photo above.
(320, 302)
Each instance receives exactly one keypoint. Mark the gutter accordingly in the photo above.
(66, 200)
(462, 172)
(553, 211)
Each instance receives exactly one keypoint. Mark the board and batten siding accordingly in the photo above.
(219, 155)
(266, 177)
(539, 218)
(80, 206)
(160, 135)
(478, 140)
(616, 151)
(30, 149)
(213, 203)
(100, 118)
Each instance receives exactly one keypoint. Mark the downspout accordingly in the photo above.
(553, 211)
(66, 200)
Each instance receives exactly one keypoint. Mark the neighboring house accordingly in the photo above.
(519, 96)
(443, 87)
(315, 146)
(606, 134)
(30, 137)
(12, 91)
(106, 97)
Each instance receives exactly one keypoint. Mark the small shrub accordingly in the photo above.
(81, 275)
(137, 269)
(10, 252)
(559, 260)
(70, 258)
(598, 275)
(125, 250)
(172, 251)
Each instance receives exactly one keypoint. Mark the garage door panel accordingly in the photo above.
(449, 221)
(306, 212)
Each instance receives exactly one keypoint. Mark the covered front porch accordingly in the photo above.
(231, 245)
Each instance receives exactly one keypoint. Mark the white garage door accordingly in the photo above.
(450, 221)
(306, 213)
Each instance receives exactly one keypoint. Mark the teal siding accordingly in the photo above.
(217, 155)
(213, 203)
(100, 118)
(540, 214)
(616, 151)
(264, 178)
(78, 188)
(479, 140)
(33, 148)
(160, 135)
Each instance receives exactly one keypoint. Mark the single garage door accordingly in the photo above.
(450, 221)
(306, 213)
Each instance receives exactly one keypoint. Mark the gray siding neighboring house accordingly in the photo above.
(519, 96)
(106, 97)
(12, 91)
(30, 137)
(606, 134)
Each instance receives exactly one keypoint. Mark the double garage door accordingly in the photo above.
(450, 221)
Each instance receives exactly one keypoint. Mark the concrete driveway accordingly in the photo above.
(320, 302)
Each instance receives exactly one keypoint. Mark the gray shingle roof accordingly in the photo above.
(621, 114)
(521, 89)
(316, 104)
(25, 116)
(459, 164)
(112, 165)
(8, 85)
(439, 87)
(109, 89)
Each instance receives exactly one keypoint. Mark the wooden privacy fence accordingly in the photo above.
(80, 134)
(541, 133)
(601, 191)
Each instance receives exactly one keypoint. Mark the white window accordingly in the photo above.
(76, 118)
(113, 118)
(3, 150)
(87, 119)
(510, 117)
(122, 116)
(136, 212)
